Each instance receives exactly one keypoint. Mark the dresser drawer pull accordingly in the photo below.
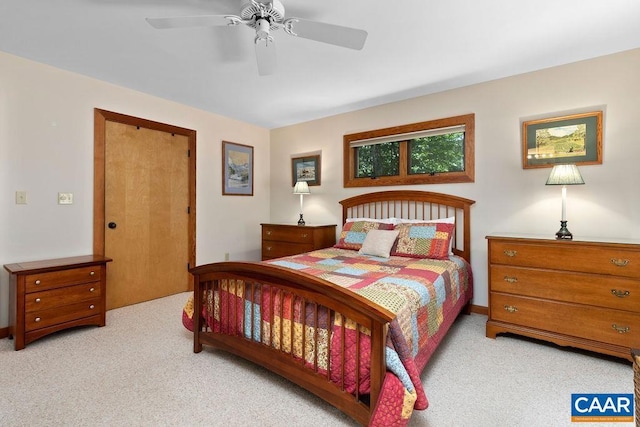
(510, 252)
(304, 236)
(619, 262)
(511, 308)
(37, 282)
(620, 294)
(92, 290)
(268, 233)
(621, 329)
(38, 319)
(37, 299)
(268, 248)
(93, 273)
(92, 306)
(510, 279)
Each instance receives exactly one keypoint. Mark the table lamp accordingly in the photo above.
(564, 175)
(301, 188)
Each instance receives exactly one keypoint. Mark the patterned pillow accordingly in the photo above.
(423, 240)
(353, 233)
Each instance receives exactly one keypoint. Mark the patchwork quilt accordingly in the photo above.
(425, 295)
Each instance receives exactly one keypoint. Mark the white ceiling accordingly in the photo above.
(414, 47)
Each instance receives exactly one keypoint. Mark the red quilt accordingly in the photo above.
(425, 294)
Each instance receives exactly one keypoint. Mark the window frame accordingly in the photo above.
(468, 175)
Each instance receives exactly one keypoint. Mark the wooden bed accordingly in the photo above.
(233, 290)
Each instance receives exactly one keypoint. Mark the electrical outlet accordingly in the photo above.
(21, 197)
(65, 198)
(226, 256)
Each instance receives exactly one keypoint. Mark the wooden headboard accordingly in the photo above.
(412, 204)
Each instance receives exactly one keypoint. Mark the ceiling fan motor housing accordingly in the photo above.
(257, 12)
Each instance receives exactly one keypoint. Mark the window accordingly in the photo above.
(432, 152)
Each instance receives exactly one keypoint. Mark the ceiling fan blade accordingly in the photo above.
(189, 21)
(266, 56)
(351, 38)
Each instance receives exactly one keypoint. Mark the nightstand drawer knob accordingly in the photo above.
(268, 233)
(268, 248)
(92, 290)
(620, 294)
(37, 282)
(619, 262)
(304, 236)
(510, 252)
(93, 273)
(92, 306)
(37, 299)
(621, 329)
(510, 279)
(38, 319)
(511, 308)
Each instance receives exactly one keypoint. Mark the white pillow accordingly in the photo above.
(450, 220)
(393, 221)
(379, 243)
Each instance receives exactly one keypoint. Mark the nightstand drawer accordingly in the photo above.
(598, 290)
(297, 234)
(570, 256)
(593, 323)
(62, 296)
(58, 315)
(57, 279)
(280, 249)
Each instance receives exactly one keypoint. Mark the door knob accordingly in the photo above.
(112, 225)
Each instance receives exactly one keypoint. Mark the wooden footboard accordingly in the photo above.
(296, 342)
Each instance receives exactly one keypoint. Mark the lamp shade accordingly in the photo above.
(565, 175)
(301, 188)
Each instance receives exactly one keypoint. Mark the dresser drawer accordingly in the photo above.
(598, 290)
(572, 256)
(56, 279)
(61, 296)
(272, 249)
(57, 315)
(592, 323)
(297, 234)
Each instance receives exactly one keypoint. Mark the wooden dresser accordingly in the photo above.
(280, 240)
(50, 295)
(583, 294)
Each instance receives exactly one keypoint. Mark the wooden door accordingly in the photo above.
(147, 217)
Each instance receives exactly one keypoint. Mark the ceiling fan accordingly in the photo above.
(267, 16)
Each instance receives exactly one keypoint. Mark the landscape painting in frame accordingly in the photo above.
(237, 169)
(573, 139)
(306, 169)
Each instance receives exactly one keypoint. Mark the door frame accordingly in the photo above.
(99, 145)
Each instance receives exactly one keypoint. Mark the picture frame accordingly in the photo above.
(306, 168)
(237, 169)
(575, 138)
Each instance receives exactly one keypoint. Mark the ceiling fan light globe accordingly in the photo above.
(262, 29)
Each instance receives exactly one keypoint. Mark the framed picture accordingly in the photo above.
(574, 139)
(237, 169)
(306, 169)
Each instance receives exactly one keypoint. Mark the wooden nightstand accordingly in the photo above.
(280, 240)
(51, 295)
(577, 293)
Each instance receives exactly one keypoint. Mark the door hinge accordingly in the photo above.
(188, 153)
(188, 209)
(188, 266)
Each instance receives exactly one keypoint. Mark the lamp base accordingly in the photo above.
(301, 220)
(564, 233)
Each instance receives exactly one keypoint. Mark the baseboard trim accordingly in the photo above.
(478, 309)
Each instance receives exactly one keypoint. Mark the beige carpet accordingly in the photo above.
(140, 370)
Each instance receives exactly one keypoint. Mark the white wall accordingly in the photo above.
(508, 197)
(46, 147)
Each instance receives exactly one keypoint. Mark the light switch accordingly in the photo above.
(65, 198)
(21, 197)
